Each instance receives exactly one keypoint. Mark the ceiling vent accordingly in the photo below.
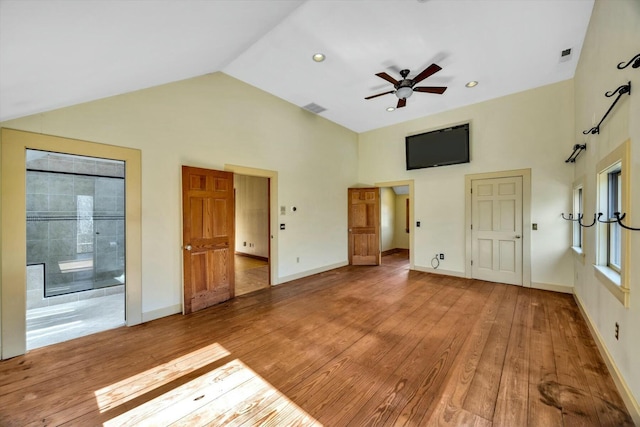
(314, 108)
(565, 55)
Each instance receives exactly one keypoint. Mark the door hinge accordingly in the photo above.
(472, 226)
(471, 262)
(471, 190)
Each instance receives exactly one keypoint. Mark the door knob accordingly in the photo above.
(188, 247)
(517, 236)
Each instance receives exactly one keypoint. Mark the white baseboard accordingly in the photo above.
(552, 287)
(161, 312)
(439, 271)
(624, 390)
(296, 276)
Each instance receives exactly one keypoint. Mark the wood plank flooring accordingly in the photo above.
(250, 274)
(354, 346)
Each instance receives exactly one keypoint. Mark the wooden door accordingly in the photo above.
(496, 235)
(364, 226)
(208, 237)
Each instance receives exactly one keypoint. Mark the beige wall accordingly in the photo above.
(532, 129)
(252, 215)
(613, 37)
(400, 236)
(387, 218)
(212, 121)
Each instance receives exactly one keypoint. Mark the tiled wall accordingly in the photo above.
(74, 220)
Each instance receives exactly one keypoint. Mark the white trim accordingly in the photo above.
(312, 272)
(148, 316)
(565, 289)
(440, 271)
(625, 392)
(526, 219)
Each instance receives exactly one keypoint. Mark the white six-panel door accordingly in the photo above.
(496, 236)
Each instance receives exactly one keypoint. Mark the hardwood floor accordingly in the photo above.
(251, 274)
(353, 346)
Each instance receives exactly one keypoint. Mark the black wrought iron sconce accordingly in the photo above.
(620, 91)
(577, 149)
(634, 62)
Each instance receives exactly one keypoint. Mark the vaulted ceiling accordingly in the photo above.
(57, 53)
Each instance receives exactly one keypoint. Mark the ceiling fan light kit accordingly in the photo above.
(404, 92)
(404, 88)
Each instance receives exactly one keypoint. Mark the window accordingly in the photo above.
(614, 204)
(612, 252)
(577, 210)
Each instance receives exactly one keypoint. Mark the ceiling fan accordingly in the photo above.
(405, 87)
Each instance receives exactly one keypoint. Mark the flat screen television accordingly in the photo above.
(442, 147)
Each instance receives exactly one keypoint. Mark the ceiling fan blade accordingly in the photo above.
(401, 102)
(380, 94)
(430, 70)
(388, 78)
(430, 89)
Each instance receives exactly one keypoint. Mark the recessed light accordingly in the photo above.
(318, 57)
(472, 83)
(391, 108)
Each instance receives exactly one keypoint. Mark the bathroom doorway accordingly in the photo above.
(75, 208)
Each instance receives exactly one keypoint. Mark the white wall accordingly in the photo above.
(208, 122)
(532, 129)
(252, 215)
(613, 37)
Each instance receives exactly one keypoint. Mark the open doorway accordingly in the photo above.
(75, 246)
(394, 221)
(252, 233)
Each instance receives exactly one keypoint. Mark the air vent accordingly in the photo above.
(565, 55)
(314, 108)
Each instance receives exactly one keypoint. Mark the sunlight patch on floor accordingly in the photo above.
(123, 391)
(231, 394)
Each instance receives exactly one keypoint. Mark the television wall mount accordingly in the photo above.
(620, 91)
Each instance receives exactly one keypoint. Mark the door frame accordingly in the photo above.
(526, 219)
(273, 212)
(412, 204)
(13, 253)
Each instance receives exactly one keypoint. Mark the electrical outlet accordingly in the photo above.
(441, 256)
(244, 243)
(617, 334)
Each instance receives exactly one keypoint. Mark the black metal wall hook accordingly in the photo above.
(608, 221)
(619, 221)
(634, 62)
(571, 217)
(620, 91)
(577, 149)
(591, 225)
